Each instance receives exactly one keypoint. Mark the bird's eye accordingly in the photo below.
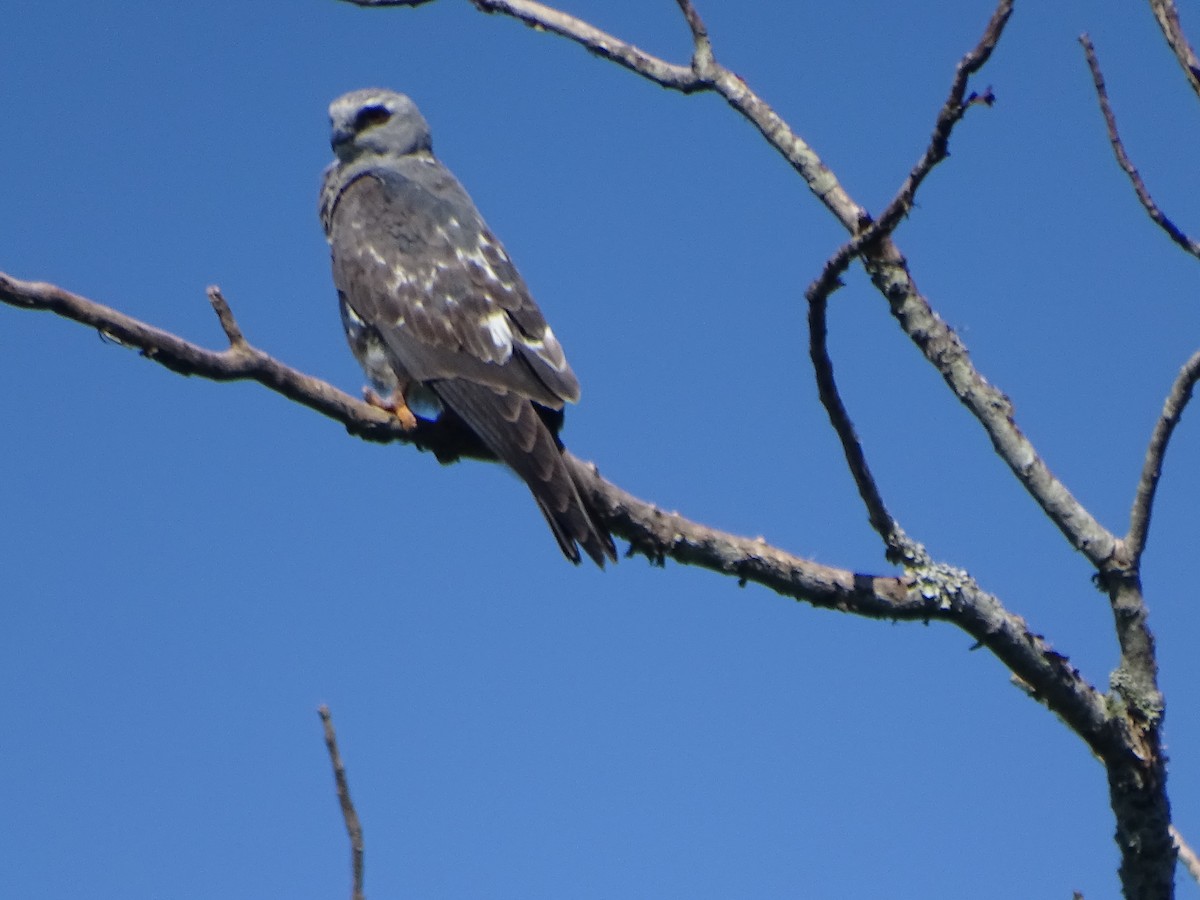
(371, 115)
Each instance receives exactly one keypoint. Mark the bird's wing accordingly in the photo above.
(509, 425)
(414, 260)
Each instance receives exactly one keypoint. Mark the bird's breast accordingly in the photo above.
(368, 349)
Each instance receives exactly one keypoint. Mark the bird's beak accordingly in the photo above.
(340, 138)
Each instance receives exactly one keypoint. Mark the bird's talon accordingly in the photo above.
(395, 405)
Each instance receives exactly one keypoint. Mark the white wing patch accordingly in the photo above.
(500, 331)
(476, 259)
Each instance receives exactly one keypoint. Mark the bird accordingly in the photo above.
(436, 313)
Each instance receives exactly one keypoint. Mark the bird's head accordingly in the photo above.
(376, 121)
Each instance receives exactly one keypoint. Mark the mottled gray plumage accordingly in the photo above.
(435, 311)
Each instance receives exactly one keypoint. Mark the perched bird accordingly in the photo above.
(435, 311)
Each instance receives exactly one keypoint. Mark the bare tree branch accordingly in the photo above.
(702, 54)
(241, 362)
(1173, 406)
(1114, 138)
(1168, 21)
(899, 546)
(349, 813)
(951, 113)
(932, 591)
(1138, 789)
(942, 347)
(602, 44)
(225, 316)
(635, 520)
(929, 592)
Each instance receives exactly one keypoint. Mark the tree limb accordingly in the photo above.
(928, 592)
(1168, 21)
(1110, 121)
(1143, 502)
(899, 546)
(601, 43)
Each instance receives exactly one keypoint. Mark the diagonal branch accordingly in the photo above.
(929, 592)
(240, 362)
(1143, 502)
(349, 813)
(702, 53)
(601, 43)
(899, 547)
(943, 348)
(951, 113)
(1114, 138)
(1168, 21)
(650, 531)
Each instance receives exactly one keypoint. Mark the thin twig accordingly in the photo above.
(1143, 502)
(1168, 21)
(241, 362)
(702, 54)
(951, 113)
(225, 316)
(1123, 160)
(349, 814)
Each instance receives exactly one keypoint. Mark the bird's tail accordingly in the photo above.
(512, 429)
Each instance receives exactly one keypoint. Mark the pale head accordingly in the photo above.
(376, 122)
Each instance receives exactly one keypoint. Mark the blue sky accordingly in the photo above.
(189, 569)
